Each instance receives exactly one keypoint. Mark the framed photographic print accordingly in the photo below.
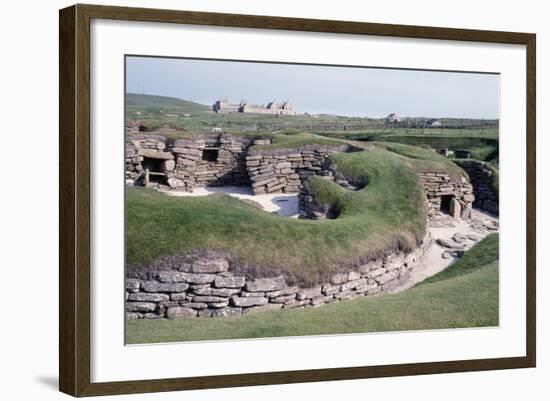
(250, 200)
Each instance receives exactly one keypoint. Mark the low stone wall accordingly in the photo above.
(204, 286)
(286, 170)
(481, 177)
(141, 146)
(183, 163)
(193, 170)
(440, 185)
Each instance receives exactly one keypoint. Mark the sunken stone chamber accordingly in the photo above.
(447, 194)
(187, 163)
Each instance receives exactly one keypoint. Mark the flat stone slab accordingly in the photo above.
(266, 284)
(148, 297)
(180, 312)
(248, 301)
(212, 265)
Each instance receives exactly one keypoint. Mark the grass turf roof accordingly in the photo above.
(388, 213)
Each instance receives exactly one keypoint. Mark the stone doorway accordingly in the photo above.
(210, 154)
(450, 205)
(153, 172)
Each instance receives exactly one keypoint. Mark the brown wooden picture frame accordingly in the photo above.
(74, 203)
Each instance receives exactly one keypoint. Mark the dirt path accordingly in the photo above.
(450, 238)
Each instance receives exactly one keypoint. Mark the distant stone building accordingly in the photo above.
(276, 108)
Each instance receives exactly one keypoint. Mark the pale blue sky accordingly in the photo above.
(347, 91)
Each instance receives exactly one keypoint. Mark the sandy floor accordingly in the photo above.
(459, 234)
(450, 237)
(281, 204)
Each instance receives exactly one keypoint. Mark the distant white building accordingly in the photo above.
(434, 124)
(392, 119)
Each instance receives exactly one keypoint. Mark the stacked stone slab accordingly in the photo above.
(140, 146)
(437, 185)
(187, 168)
(309, 207)
(481, 177)
(206, 288)
(286, 170)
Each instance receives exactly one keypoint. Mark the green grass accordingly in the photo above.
(295, 140)
(187, 116)
(389, 213)
(464, 295)
(420, 159)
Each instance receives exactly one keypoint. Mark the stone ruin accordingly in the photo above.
(222, 159)
(446, 194)
(206, 286)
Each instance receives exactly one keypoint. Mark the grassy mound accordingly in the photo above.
(389, 213)
(464, 295)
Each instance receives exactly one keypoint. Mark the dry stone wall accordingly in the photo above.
(203, 286)
(481, 177)
(188, 163)
(286, 170)
(443, 192)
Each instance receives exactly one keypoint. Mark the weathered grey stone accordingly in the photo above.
(175, 182)
(150, 315)
(322, 299)
(297, 304)
(194, 305)
(394, 261)
(168, 304)
(155, 286)
(192, 278)
(449, 244)
(178, 296)
(132, 316)
(353, 276)
(218, 305)
(344, 295)
(386, 278)
(210, 265)
(148, 297)
(217, 292)
(248, 301)
(454, 208)
(223, 312)
(262, 308)
(169, 165)
(208, 298)
(132, 284)
(282, 299)
(180, 312)
(265, 284)
(353, 284)
(251, 294)
(308, 293)
(339, 278)
(376, 273)
(284, 291)
(140, 306)
(229, 282)
(329, 289)
(205, 313)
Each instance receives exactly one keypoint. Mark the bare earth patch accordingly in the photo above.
(282, 204)
(450, 239)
